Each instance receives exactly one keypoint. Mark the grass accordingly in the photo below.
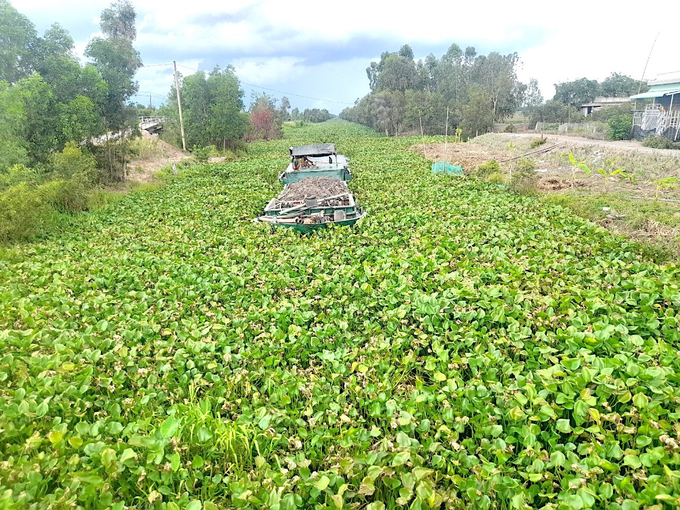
(653, 222)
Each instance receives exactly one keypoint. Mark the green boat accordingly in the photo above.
(316, 160)
(309, 223)
(313, 203)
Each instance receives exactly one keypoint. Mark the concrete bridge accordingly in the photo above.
(152, 124)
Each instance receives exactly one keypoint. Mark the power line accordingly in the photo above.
(298, 95)
(150, 94)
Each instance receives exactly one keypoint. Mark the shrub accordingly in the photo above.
(538, 142)
(496, 178)
(203, 154)
(68, 195)
(16, 174)
(620, 127)
(143, 148)
(72, 161)
(658, 142)
(510, 128)
(484, 170)
(524, 178)
(23, 213)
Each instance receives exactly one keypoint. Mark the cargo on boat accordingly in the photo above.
(316, 160)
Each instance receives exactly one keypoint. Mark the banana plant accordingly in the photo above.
(666, 183)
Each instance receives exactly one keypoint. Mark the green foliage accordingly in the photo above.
(667, 183)
(73, 161)
(510, 128)
(620, 85)
(658, 142)
(203, 154)
(459, 347)
(620, 127)
(537, 142)
(577, 165)
(577, 92)
(212, 109)
(23, 212)
(478, 115)
(478, 90)
(17, 36)
(496, 178)
(524, 179)
(487, 169)
(555, 112)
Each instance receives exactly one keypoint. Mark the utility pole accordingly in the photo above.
(179, 105)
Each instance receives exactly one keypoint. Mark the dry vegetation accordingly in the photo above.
(153, 154)
(630, 203)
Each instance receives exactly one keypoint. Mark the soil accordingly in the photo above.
(468, 155)
(143, 170)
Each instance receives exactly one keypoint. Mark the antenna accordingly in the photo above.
(647, 63)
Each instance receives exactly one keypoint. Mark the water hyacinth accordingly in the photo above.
(461, 347)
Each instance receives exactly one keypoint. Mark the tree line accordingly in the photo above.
(408, 95)
(570, 95)
(63, 125)
(66, 127)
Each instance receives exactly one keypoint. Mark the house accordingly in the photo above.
(661, 117)
(602, 102)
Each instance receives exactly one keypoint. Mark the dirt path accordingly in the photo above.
(629, 145)
(159, 155)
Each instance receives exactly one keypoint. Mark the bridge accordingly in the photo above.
(152, 124)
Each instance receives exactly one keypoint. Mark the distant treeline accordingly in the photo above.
(569, 96)
(478, 90)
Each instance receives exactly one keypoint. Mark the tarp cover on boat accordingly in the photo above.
(317, 149)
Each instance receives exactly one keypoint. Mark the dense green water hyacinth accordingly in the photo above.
(460, 347)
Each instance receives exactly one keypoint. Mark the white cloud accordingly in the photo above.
(269, 40)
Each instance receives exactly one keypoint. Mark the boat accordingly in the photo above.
(316, 160)
(312, 203)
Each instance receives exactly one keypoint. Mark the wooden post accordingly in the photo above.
(420, 118)
(179, 106)
(446, 136)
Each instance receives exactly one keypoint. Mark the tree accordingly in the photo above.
(532, 97)
(54, 60)
(265, 125)
(554, 112)
(496, 73)
(40, 121)
(17, 36)
(14, 147)
(620, 85)
(118, 21)
(78, 120)
(478, 114)
(212, 108)
(577, 92)
(406, 51)
(227, 124)
(398, 74)
(117, 61)
(283, 111)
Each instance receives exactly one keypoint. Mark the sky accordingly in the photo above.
(316, 53)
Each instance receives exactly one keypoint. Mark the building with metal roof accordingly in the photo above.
(660, 115)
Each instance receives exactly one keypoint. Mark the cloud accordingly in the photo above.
(270, 41)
